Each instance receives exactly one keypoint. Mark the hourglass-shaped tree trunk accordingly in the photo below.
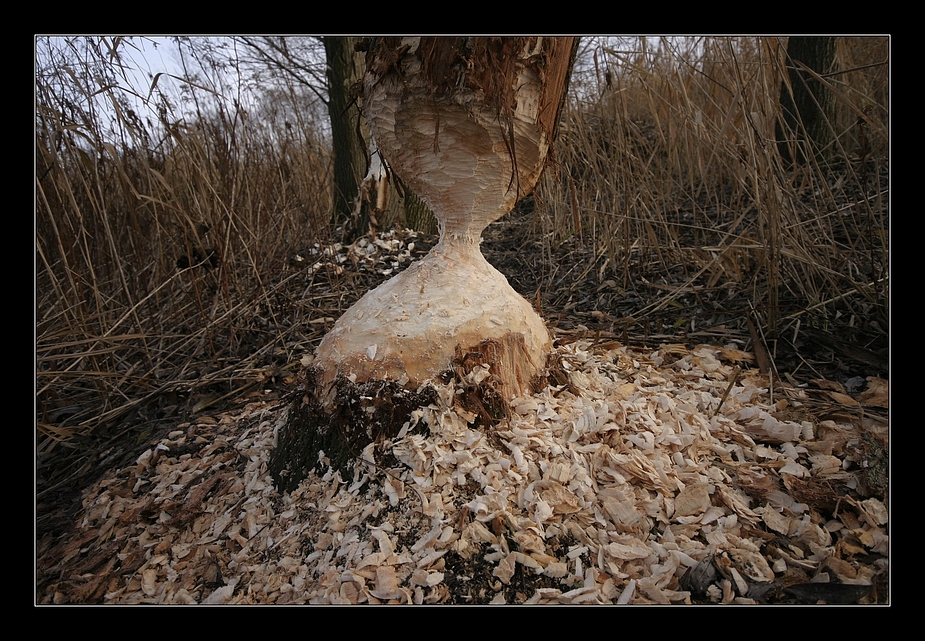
(467, 124)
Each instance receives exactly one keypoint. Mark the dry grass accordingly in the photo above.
(118, 322)
(667, 163)
(666, 167)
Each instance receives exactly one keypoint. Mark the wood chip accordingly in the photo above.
(611, 495)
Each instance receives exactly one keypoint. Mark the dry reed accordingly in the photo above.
(668, 162)
(161, 242)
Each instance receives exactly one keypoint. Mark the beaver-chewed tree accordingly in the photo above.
(466, 123)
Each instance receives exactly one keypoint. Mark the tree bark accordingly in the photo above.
(418, 215)
(344, 70)
(806, 127)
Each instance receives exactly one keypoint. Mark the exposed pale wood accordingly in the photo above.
(467, 125)
(408, 329)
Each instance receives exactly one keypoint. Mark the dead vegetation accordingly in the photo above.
(185, 260)
(672, 164)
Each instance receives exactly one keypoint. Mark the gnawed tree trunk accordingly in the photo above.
(467, 124)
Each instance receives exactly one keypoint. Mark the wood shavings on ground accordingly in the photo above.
(642, 488)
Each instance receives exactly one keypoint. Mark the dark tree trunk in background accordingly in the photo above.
(418, 215)
(344, 68)
(806, 127)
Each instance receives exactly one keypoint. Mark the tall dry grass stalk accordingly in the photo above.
(668, 162)
(125, 199)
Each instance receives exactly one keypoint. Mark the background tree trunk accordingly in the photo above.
(344, 69)
(806, 127)
(418, 215)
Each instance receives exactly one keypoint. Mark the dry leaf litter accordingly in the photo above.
(659, 482)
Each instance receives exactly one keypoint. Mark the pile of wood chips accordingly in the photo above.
(672, 476)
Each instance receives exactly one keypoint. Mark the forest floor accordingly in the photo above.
(840, 376)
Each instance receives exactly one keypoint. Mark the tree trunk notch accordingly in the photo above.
(467, 124)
